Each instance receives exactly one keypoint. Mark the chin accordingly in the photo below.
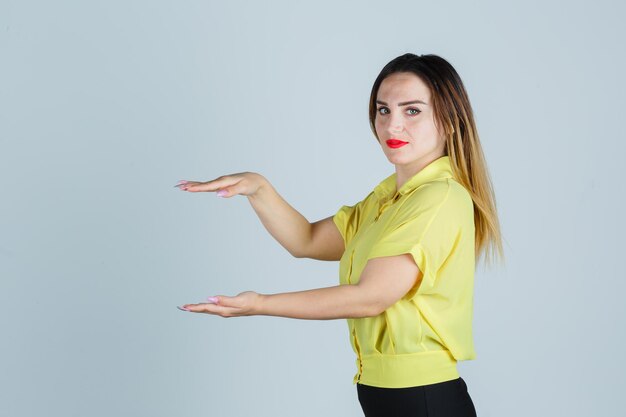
(396, 160)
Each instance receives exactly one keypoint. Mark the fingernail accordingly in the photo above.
(182, 182)
(182, 308)
(222, 193)
(212, 300)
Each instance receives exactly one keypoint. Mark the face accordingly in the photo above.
(404, 112)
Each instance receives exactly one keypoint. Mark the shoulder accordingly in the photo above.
(445, 195)
(358, 204)
(349, 213)
(367, 203)
(440, 191)
(446, 189)
(459, 195)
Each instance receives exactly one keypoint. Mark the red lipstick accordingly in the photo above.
(395, 143)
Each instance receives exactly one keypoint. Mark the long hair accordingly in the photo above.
(453, 112)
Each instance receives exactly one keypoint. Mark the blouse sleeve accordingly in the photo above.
(346, 221)
(428, 226)
(437, 229)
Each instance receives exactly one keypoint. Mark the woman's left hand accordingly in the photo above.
(243, 304)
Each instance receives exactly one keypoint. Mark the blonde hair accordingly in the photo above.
(453, 112)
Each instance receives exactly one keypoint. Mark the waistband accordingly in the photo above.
(406, 370)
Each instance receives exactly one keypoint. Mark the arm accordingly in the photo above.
(320, 240)
(383, 282)
(342, 301)
(290, 228)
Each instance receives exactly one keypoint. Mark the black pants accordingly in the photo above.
(443, 399)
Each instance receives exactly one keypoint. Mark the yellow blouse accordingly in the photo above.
(420, 338)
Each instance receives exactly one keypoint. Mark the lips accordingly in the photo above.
(395, 143)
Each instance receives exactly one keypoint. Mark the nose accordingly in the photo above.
(396, 124)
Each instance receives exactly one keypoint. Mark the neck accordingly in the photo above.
(404, 172)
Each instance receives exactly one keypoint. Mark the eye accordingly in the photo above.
(417, 111)
(382, 108)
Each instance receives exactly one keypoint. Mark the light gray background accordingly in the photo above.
(105, 105)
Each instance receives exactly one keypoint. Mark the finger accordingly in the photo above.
(213, 185)
(223, 300)
(231, 190)
(209, 308)
(184, 185)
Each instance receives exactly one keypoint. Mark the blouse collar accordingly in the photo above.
(437, 169)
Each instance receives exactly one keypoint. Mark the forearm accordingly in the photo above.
(342, 301)
(290, 228)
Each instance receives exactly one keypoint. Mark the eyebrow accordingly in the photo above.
(404, 103)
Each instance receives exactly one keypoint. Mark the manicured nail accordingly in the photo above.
(212, 300)
(221, 193)
(182, 308)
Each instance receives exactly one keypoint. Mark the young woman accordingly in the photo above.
(407, 251)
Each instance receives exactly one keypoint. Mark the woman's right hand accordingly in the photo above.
(244, 183)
